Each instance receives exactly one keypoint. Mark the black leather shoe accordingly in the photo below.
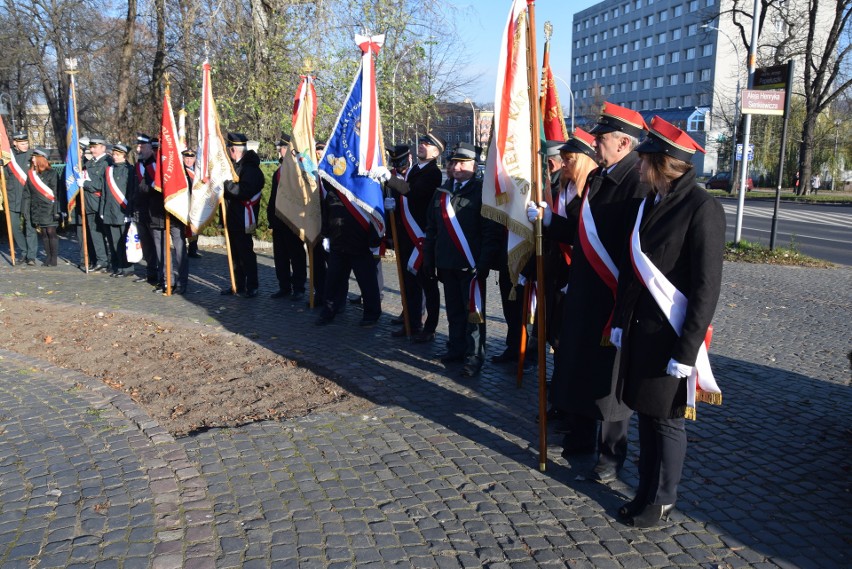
(651, 516)
(100, 268)
(448, 358)
(631, 509)
(30, 262)
(398, 320)
(179, 289)
(227, 291)
(195, 255)
(250, 293)
(160, 288)
(152, 280)
(423, 337)
(504, 358)
(603, 473)
(470, 370)
(279, 294)
(140, 279)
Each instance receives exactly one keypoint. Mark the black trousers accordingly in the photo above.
(319, 267)
(116, 248)
(465, 338)
(24, 235)
(611, 438)
(51, 245)
(513, 311)
(291, 263)
(95, 241)
(149, 251)
(242, 255)
(419, 288)
(662, 451)
(180, 259)
(340, 265)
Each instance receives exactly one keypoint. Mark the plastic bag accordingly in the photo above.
(133, 246)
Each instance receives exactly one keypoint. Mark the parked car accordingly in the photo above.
(722, 181)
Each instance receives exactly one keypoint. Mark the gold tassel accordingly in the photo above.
(475, 318)
(689, 413)
(501, 199)
(605, 342)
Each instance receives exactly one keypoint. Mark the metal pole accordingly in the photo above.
(788, 93)
(752, 60)
(571, 94)
(736, 100)
(469, 101)
(834, 170)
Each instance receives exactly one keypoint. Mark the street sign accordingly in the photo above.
(757, 102)
(774, 77)
(740, 152)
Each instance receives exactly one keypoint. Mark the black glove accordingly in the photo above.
(231, 188)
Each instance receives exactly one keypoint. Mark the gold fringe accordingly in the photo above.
(708, 397)
(475, 318)
(689, 413)
(605, 342)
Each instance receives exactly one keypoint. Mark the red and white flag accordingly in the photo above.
(507, 184)
(5, 145)
(369, 149)
(170, 178)
(213, 167)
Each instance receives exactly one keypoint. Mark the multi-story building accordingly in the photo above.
(674, 58)
(463, 122)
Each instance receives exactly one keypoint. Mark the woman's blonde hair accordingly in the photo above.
(41, 163)
(579, 170)
(662, 170)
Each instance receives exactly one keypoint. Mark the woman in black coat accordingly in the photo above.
(667, 292)
(44, 205)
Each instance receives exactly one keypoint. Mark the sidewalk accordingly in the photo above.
(441, 472)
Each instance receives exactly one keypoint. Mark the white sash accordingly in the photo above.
(674, 305)
(250, 219)
(41, 187)
(460, 241)
(415, 234)
(17, 171)
(114, 189)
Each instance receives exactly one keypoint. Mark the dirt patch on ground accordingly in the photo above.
(185, 377)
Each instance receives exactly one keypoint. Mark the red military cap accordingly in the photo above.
(615, 118)
(581, 142)
(666, 138)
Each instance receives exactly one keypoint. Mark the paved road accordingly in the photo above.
(440, 472)
(821, 231)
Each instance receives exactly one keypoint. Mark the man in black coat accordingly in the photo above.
(462, 245)
(145, 170)
(116, 207)
(412, 190)
(93, 189)
(288, 249)
(23, 231)
(583, 385)
(242, 205)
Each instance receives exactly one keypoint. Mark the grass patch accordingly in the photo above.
(748, 252)
(787, 196)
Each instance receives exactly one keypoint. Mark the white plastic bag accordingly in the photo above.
(133, 246)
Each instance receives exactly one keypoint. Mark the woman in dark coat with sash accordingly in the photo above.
(44, 205)
(667, 292)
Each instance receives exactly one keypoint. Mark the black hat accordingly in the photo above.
(20, 135)
(93, 140)
(551, 147)
(435, 140)
(142, 138)
(581, 142)
(155, 142)
(40, 151)
(665, 138)
(465, 151)
(237, 139)
(283, 141)
(120, 147)
(616, 118)
(399, 152)
(188, 152)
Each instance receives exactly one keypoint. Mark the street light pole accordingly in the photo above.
(571, 93)
(469, 101)
(393, 91)
(834, 171)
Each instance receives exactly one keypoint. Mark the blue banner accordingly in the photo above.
(339, 163)
(73, 168)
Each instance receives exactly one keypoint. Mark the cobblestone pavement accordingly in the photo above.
(442, 472)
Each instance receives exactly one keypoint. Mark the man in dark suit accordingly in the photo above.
(583, 379)
(93, 189)
(23, 231)
(412, 190)
(288, 249)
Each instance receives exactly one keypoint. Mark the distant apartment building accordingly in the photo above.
(463, 122)
(674, 58)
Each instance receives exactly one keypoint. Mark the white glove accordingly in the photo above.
(380, 174)
(615, 337)
(390, 204)
(533, 212)
(326, 244)
(80, 181)
(522, 280)
(678, 370)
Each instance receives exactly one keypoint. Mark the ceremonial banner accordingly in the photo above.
(170, 178)
(297, 201)
(551, 109)
(213, 166)
(353, 158)
(5, 145)
(508, 169)
(73, 163)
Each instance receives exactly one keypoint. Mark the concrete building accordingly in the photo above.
(674, 58)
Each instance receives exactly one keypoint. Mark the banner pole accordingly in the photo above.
(7, 213)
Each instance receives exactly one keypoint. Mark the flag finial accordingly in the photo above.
(548, 30)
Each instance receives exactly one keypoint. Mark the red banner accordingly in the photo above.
(170, 178)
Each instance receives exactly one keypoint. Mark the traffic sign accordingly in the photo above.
(740, 152)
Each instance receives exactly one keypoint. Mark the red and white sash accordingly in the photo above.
(17, 171)
(457, 235)
(250, 218)
(598, 258)
(415, 234)
(701, 384)
(114, 190)
(142, 169)
(560, 208)
(40, 186)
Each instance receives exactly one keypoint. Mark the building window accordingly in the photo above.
(692, 29)
(612, 89)
(690, 53)
(661, 59)
(603, 72)
(594, 73)
(649, 20)
(634, 85)
(603, 54)
(676, 34)
(649, 62)
(704, 99)
(585, 41)
(693, 6)
(673, 79)
(576, 61)
(659, 82)
(637, 24)
(585, 59)
(577, 44)
(706, 49)
(606, 16)
(585, 75)
(675, 57)
(625, 28)
(635, 66)
(624, 68)
(672, 101)
(595, 38)
(638, 4)
(583, 94)
(661, 38)
(613, 70)
(677, 11)
(663, 16)
(598, 19)
(587, 24)
(689, 77)
(579, 27)
(658, 103)
(624, 48)
(636, 45)
(649, 41)
(595, 56)
(615, 12)
(696, 121)
(704, 75)
(711, 3)
(646, 83)
(627, 8)
(605, 34)
(646, 105)
(687, 100)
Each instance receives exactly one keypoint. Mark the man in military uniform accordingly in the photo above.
(145, 169)
(413, 190)
(288, 249)
(462, 246)
(189, 170)
(242, 205)
(116, 207)
(93, 189)
(23, 232)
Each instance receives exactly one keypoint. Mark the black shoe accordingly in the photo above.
(368, 322)
(354, 298)
(279, 294)
(424, 337)
(651, 516)
(324, 321)
(152, 280)
(603, 472)
(30, 262)
(195, 255)
(179, 289)
(140, 279)
(632, 508)
(161, 287)
(297, 295)
(250, 293)
(228, 291)
(448, 358)
(470, 370)
(100, 268)
(577, 450)
(506, 357)
(398, 320)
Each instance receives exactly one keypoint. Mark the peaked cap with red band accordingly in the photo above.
(666, 138)
(614, 118)
(581, 142)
